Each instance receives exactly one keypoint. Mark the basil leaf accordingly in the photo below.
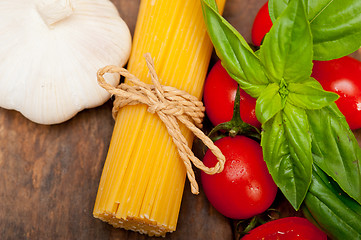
(309, 95)
(236, 55)
(287, 151)
(336, 213)
(286, 52)
(335, 25)
(268, 103)
(296, 126)
(335, 148)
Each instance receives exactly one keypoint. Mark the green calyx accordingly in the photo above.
(236, 126)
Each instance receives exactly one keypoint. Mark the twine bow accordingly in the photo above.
(170, 104)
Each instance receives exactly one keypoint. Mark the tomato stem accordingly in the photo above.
(236, 126)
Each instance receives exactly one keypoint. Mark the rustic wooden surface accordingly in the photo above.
(49, 175)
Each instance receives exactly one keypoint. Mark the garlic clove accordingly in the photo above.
(53, 11)
(49, 73)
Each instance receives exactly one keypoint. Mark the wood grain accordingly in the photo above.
(49, 177)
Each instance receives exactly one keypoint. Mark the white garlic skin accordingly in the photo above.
(48, 72)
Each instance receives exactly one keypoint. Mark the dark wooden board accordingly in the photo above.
(49, 175)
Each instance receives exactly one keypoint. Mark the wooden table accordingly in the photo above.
(49, 175)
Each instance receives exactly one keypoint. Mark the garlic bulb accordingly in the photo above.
(50, 51)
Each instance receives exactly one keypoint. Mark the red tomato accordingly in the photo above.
(219, 95)
(244, 188)
(261, 25)
(290, 228)
(342, 76)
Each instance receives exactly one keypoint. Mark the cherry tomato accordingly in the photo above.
(219, 95)
(244, 188)
(342, 76)
(289, 228)
(261, 25)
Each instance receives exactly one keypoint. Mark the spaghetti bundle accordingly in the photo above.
(143, 177)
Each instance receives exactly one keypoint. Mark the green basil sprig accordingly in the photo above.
(288, 99)
(335, 25)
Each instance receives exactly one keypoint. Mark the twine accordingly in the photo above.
(170, 104)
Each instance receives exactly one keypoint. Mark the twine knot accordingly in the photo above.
(171, 105)
(167, 108)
